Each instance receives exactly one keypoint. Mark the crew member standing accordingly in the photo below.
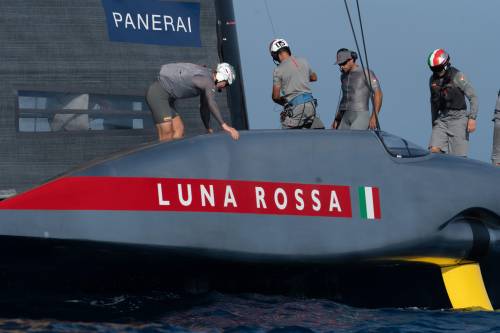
(185, 80)
(291, 88)
(354, 112)
(495, 156)
(451, 122)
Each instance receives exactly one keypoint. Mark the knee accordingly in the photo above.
(178, 135)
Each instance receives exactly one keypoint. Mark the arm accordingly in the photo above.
(209, 99)
(376, 100)
(434, 103)
(377, 105)
(464, 84)
(313, 77)
(276, 96)
(205, 115)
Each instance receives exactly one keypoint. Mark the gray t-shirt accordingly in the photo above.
(184, 80)
(356, 91)
(293, 76)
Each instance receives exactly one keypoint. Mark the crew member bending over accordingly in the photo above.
(185, 80)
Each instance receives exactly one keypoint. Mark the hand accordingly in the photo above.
(231, 131)
(471, 125)
(373, 122)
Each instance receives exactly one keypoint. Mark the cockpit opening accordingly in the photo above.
(399, 147)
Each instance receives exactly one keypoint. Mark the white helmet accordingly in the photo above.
(225, 72)
(276, 45)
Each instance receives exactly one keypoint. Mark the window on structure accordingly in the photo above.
(401, 148)
(54, 112)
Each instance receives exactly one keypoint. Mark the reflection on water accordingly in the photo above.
(215, 312)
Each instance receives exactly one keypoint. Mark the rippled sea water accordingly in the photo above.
(216, 312)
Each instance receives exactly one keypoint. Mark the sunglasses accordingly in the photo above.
(344, 63)
(438, 69)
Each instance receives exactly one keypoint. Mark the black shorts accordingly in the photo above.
(162, 105)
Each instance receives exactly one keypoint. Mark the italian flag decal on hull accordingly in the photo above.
(369, 203)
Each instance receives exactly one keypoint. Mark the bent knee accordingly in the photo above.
(178, 135)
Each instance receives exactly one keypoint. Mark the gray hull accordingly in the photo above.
(307, 198)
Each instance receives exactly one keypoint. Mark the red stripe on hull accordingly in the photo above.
(158, 194)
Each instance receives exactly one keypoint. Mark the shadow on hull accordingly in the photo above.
(49, 279)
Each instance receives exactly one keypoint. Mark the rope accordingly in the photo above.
(270, 18)
(367, 79)
(366, 57)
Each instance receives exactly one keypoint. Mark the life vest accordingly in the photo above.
(445, 95)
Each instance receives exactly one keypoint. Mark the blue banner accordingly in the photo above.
(153, 22)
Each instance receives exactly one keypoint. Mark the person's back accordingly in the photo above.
(184, 80)
(178, 79)
(294, 74)
(291, 88)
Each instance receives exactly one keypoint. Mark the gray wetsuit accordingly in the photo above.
(449, 111)
(354, 105)
(293, 76)
(495, 156)
(178, 81)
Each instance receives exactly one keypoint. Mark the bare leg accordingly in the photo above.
(165, 131)
(178, 128)
(436, 150)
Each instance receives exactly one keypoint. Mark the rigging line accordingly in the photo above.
(367, 64)
(355, 39)
(360, 55)
(270, 18)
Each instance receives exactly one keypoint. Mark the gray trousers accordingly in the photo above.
(301, 116)
(495, 155)
(449, 133)
(355, 120)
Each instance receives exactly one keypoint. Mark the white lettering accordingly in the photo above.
(205, 195)
(229, 197)
(161, 201)
(189, 200)
(129, 21)
(259, 196)
(334, 202)
(315, 198)
(277, 193)
(117, 17)
(168, 21)
(180, 24)
(189, 24)
(155, 20)
(300, 201)
(145, 23)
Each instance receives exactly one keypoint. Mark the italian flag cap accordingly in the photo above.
(438, 57)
